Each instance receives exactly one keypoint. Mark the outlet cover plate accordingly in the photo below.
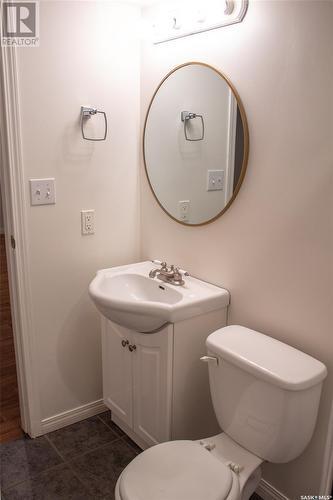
(87, 222)
(184, 209)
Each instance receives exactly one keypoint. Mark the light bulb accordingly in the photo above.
(176, 23)
(201, 16)
(229, 7)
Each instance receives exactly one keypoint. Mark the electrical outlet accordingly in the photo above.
(184, 209)
(88, 221)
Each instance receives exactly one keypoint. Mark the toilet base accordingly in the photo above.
(251, 484)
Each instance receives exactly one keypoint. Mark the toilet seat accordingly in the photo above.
(177, 470)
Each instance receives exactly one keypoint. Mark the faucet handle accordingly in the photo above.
(177, 272)
(164, 266)
(182, 271)
(177, 276)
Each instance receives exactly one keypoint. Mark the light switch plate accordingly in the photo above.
(215, 180)
(42, 191)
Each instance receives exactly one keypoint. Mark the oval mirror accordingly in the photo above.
(195, 144)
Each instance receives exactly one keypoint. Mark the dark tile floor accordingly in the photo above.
(79, 462)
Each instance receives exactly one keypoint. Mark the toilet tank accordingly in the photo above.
(265, 393)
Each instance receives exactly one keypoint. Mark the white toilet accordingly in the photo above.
(265, 395)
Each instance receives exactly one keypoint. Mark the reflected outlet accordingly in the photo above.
(184, 210)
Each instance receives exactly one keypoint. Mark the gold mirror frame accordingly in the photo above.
(246, 142)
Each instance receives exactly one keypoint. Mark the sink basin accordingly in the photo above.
(127, 296)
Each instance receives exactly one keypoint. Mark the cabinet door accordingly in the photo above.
(152, 379)
(117, 371)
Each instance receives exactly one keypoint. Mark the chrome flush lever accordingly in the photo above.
(210, 359)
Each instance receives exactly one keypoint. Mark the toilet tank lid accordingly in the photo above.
(266, 358)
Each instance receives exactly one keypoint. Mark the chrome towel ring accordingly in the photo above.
(87, 113)
(186, 116)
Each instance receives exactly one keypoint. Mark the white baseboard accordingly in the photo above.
(267, 492)
(72, 416)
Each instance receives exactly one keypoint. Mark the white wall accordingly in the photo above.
(88, 54)
(273, 248)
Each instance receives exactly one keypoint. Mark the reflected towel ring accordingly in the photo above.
(86, 113)
(186, 116)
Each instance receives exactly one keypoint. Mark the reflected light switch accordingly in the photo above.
(215, 180)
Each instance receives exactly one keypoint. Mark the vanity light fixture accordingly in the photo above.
(192, 18)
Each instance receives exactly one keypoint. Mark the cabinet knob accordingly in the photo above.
(132, 348)
(124, 343)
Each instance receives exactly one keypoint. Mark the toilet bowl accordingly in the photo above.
(265, 395)
(193, 470)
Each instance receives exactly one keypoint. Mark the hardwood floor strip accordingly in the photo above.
(10, 428)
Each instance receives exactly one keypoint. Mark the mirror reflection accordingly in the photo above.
(195, 144)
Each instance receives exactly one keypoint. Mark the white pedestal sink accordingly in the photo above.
(127, 296)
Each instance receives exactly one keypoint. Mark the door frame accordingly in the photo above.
(15, 226)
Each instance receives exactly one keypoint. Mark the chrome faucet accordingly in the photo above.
(172, 274)
(163, 268)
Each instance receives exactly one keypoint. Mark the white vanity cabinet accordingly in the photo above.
(155, 384)
(137, 378)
